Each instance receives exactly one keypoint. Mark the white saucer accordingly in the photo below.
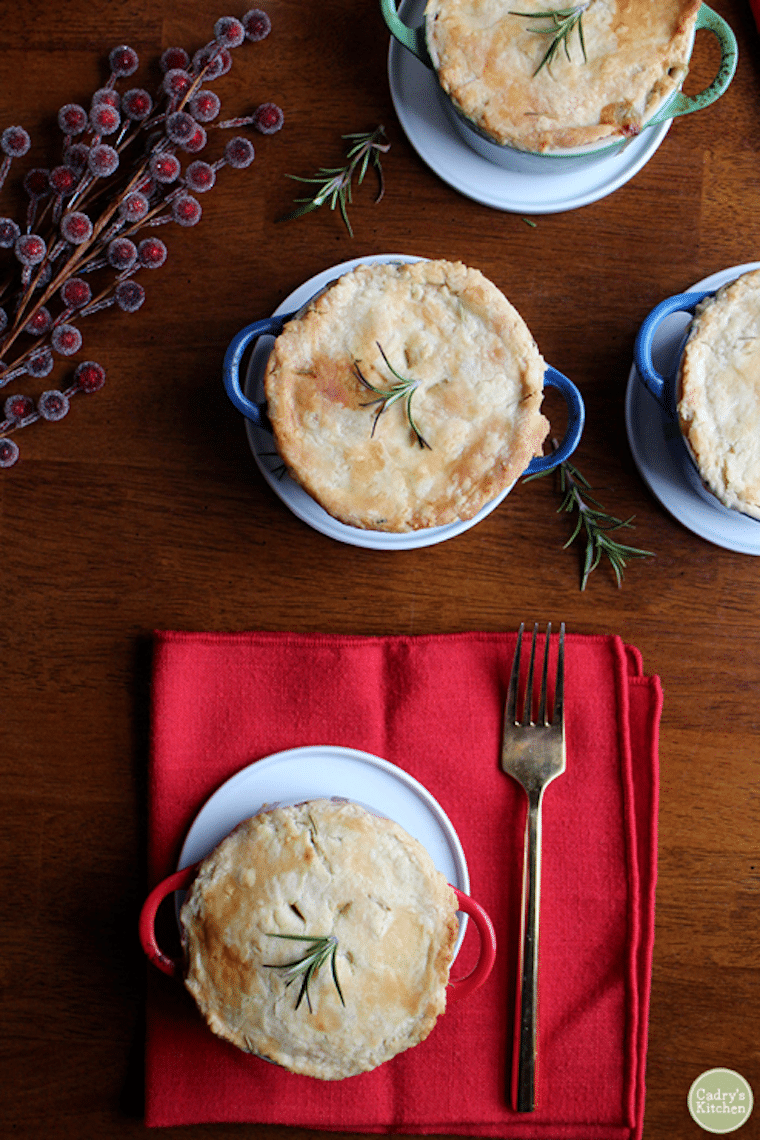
(660, 453)
(326, 771)
(418, 102)
(300, 503)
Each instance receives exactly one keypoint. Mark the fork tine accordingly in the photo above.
(514, 680)
(558, 711)
(541, 719)
(528, 705)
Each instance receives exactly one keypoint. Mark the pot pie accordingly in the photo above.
(329, 874)
(718, 393)
(488, 55)
(406, 395)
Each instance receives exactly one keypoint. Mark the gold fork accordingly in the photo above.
(533, 753)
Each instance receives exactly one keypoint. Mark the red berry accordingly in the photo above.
(177, 81)
(136, 104)
(134, 207)
(9, 232)
(89, 376)
(76, 156)
(18, 407)
(174, 57)
(102, 160)
(15, 141)
(105, 95)
(39, 323)
(37, 182)
(200, 176)
(129, 296)
(104, 119)
(121, 254)
(239, 152)
(76, 227)
(76, 293)
(212, 60)
(164, 167)
(229, 32)
(186, 210)
(63, 179)
(268, 118)
(257, 25)
(53, 405)
(66, 339)
(30, 249)
(151, 253)
(123, 60)
(72, 119)
(40, 363)
(8, 452)
(204, 106)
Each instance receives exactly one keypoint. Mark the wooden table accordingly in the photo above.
(143, 509)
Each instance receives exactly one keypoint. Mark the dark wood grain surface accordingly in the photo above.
(143, 509)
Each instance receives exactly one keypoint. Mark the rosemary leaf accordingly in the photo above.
(563, 22)
(322, 947)
(593, 525)
(336, 183)
(403, 389)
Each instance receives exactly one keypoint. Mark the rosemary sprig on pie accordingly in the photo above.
(321, 948)
(335, 183)
(593, 524)
(563, 21)
(403, 389)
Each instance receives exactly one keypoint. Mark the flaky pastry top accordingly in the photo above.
(486, 57)
(322, 868)
(719, 393)
(478, 379)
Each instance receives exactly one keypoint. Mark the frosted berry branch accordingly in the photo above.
(85, 232)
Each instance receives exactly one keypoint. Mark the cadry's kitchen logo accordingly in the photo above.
(720, 1100)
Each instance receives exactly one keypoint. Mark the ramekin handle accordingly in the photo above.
(642, 349)
(576, 417)
(413, 39)
(179, 881)
(462, 987)
(271, 326)
(682, 104)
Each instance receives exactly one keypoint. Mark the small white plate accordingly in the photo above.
(418, 102)
(300, 503)
(660, 453)
(323, 772)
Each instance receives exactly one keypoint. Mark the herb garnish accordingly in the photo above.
(593, 523)
(404, 389)
(335, 182)
(323, 946)
(563, 20)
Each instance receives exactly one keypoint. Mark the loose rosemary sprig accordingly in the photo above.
(594, 524)
(563, 21)
(322, 947)
(403, 390)
(335, 183)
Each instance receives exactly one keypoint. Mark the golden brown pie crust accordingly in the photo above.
(479, 388)
(719, 393)
(637, 55)
(320, 868)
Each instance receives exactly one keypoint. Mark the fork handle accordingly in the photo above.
(526, 1012)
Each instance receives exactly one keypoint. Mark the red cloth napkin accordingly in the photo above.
(434, 707)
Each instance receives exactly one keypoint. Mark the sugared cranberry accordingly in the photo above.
(53, 405)
(257, 25)
(239, 152)
(90, 376)
(66, 339)
(8, 452)
(123, 60)
(268, 118)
